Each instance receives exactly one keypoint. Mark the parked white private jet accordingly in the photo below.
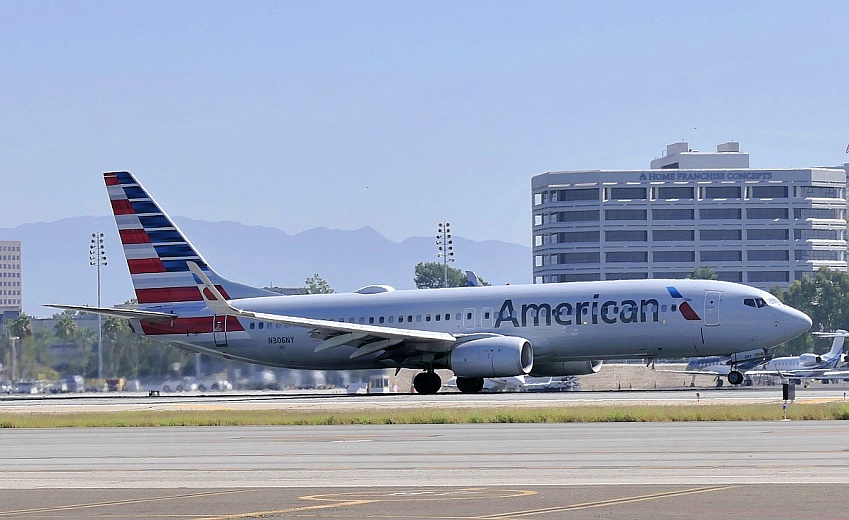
(809, 365)
(478, 332)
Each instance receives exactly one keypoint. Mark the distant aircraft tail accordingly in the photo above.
(835, 354)
(157, 251)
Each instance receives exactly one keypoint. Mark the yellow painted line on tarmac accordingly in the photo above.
(259, 514)
(603, 503)
(72, 507)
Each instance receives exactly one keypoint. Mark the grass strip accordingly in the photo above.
(582, 414)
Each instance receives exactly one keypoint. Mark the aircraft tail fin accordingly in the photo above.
(157, 252)
(835, 354)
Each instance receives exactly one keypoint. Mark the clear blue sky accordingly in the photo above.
(397, 115)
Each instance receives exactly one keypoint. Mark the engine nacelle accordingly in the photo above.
(567, 368)
(809, 359)
(500, 356)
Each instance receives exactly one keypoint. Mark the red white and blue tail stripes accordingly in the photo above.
(157, 251)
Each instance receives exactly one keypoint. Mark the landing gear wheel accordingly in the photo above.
(470, 385)
(735, 377)
(427, 383)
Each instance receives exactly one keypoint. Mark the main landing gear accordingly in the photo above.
(470, 385)
(427, 383)
(735, 377)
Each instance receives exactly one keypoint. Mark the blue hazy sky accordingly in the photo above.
(397, 115)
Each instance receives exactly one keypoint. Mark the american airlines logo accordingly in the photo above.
(590, 312)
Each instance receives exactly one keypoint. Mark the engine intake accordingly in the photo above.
(567, 368)
(499, 356)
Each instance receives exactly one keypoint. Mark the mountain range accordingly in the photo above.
(56, 268)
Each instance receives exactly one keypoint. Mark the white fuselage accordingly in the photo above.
(563, 322)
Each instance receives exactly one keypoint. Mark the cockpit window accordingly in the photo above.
(755, 302)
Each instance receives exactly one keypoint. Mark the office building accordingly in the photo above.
(761, 227)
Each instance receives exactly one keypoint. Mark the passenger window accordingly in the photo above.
(438, 317)
(380, 320)
(392, 319)
(486, 315)
(447, 316)
(468, 315)
(261, 324)
(410, 318)
(253, 325)
(371, 320)
(418, 318)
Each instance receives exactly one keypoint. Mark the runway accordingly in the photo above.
(609, 470)
(344, 402)
(638, 470)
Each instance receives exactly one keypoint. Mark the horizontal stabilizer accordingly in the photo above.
(130, 314)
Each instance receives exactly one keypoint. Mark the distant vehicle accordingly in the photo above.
(6, 387)
(74, 384)
(377, 384)
(551, 329)
(809, 365)
(28, 387)
(215, 385)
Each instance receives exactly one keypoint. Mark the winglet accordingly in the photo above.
(210, 294)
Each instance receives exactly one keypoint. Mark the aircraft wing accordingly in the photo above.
(132, 314)
(339, 333)
(811, 373)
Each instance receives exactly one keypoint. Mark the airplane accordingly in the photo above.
(477, 332)
(809, 365)
(732, 366)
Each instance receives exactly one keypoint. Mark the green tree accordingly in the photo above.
(65, 326)
(824, 297)
(318, 285)
(703, 273)
(429, 275)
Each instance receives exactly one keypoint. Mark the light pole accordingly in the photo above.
(14, 341)
(97, 258)
(446, 249)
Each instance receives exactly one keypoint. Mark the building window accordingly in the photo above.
(674, 192)
(627, 194)
(571, 237)
(819, 254)
(769, 192)
(820, 192)
(768, 255)
(576, 216)
(766, 213)
(588, 257)
(576, 277)
(673, 214)
(576, 194)
(671, 275)
(627, 256)
(720, 234)
(626, 236)
(767, 234)
(821, 213)
(818, 234)
(768, 276)
(625, 214)
(721, 214)
(725, 255)
(674, 256)
(631, 275)
(722, 192)
(673, 235)
(730, 276)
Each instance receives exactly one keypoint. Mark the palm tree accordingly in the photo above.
(65, 327)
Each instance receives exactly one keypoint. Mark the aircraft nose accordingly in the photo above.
(796, 322)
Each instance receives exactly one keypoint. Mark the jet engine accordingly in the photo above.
(498, 356)
(809, 359)
(567, 368)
